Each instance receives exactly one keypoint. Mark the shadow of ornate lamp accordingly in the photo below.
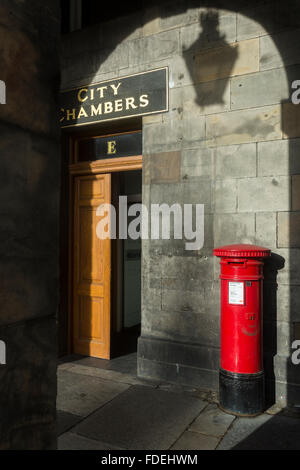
(209, 59)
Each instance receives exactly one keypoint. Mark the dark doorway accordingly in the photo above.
(126, 269)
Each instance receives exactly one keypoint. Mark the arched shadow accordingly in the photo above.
(283, 16)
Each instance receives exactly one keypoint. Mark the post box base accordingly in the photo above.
(241, 394)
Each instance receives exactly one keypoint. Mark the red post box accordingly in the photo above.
(241, 377)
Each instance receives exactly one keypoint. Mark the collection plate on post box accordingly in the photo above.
(236, 293)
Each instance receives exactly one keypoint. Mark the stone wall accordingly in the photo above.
(29, 206)
(229, 141)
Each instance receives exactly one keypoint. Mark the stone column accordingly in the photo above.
(29, 215)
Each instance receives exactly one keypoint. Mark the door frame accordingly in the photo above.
(75, 168)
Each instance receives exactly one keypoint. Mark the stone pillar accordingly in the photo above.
(29, 210)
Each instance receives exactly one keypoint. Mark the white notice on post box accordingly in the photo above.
(236, 293)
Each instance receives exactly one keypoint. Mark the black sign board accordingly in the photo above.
(99, 148)
(134, 95)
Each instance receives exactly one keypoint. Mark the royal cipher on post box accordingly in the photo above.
(241, 377)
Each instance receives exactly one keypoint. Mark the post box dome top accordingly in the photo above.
(242, 251)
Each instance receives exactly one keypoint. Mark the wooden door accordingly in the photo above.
(92, 269)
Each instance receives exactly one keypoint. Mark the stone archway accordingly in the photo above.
(30, 165)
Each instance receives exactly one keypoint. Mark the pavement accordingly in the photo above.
(103, 405)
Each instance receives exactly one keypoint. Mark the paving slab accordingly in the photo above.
(66, 421)
(126, 364)
(265, 432)
(176, 388)
(106, 374)
(195, 441)
(212, 421)
(81, 394)
(142, 418)
(71, 441)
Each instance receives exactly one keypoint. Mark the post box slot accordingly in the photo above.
(237, 263)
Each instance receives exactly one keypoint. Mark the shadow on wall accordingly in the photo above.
(270, 292)
(282, 16)
(201, 67)
(209, 34)
(290, 122)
